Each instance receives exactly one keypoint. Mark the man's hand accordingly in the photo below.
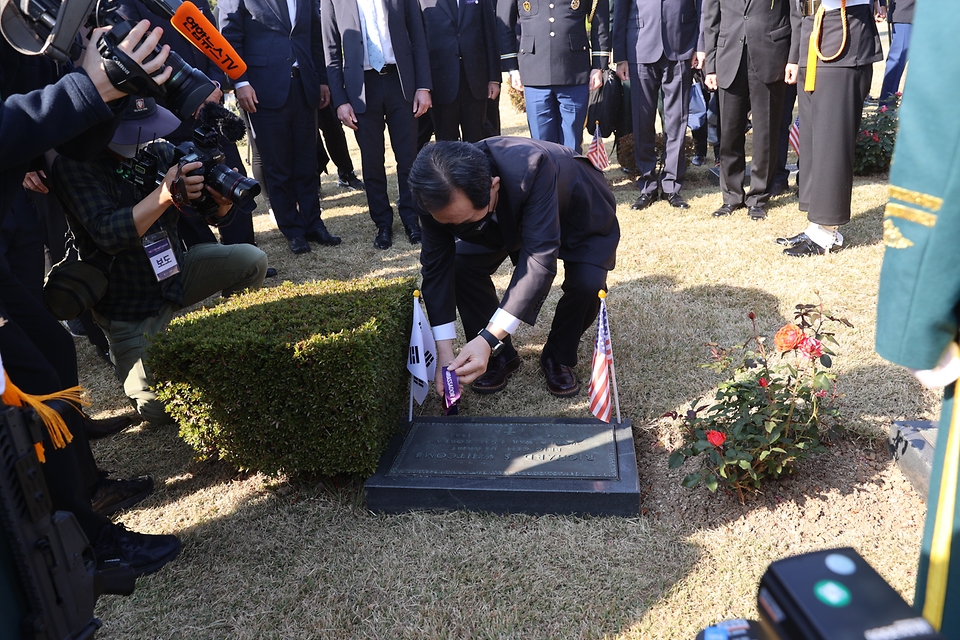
(699, 57)
(880, 12)
(34, 181)
(247, 98)
(421, 102)
(493, 90)
(711, 81)
(472, 360)
(223, 204)
(515, 80)
(791, 73)
(92, 64)
(596, 79)
(193, 184)
(324, 95)
(623, 71)
(346, 115)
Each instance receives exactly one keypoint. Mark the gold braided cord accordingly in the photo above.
(818, 27)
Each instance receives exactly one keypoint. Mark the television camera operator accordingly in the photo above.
(151, 277)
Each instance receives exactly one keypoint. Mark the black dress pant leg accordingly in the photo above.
(335, 141)
(766, 106)
(477, 298)
(734, 106)
(576, 312)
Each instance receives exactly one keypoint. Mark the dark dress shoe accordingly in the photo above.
(808, 247)
(757, 212)
(494, 379)
(726, 210)
(777, 188)
(561, 380)
(676, 201)
(324, 237)
(271, 273)
(349, 181)
(644, 201)
(384, 239)
(299, 245)
(793, 241)
(414, 233)
(111, 496)
(97, 429)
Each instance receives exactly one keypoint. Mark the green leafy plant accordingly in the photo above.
(770, 413)
(878, 133)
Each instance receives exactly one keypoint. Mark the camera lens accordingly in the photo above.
(231, 184)
(187, 87)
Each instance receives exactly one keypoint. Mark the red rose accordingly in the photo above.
(883, 109)
(764, 382)
(788, 338)
(811, 348)
(716, 438)
(876, 138)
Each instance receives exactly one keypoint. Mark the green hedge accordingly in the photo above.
(306, 379)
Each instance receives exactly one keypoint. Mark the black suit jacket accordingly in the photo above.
(468, 33)
(645, 30)
(260, 31)
(732, 27)
(344, 48)
(552, 204)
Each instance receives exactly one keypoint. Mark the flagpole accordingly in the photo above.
(416, 300)
(613, 369)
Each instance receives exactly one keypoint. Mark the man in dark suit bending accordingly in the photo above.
(376, 55)
(535, 202)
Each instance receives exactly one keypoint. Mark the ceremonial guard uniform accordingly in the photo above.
(917, 312)
(833, 83)
(554, 61)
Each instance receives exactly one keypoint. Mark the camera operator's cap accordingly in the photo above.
(144, 120)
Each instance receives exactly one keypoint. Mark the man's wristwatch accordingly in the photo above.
(496, 346)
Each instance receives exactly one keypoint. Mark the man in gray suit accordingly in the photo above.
(379, 71)
(747, 44)
(538, 203)
(284, 85)
(654, 46)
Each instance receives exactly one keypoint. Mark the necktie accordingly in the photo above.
(374, 50)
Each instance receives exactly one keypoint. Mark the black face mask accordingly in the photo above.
(472, 229)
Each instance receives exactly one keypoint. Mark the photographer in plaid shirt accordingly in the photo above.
(151, 276)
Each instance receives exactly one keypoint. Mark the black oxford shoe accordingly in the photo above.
(299, 245)
(644, 201)
(726, 210)
(561, 380)
(97, 429)
(676, 201)
(384, 239)
(808, 247)
(323, 237)
(757, 212)
(414, 232)
(792, 241)
(494, 379)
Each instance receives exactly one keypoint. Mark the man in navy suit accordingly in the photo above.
(376, 54)
(283, 87)
(654, 46)
(465, 64)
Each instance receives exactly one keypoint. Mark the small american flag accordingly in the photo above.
(795, 136)
(600, 400)
(597, 152)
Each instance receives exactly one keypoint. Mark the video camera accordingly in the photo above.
(214, 123)
(50, 27)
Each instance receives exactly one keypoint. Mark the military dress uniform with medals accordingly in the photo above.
(834, 80)
(917, 314)
(554, 61)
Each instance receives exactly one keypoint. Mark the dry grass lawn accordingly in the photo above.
(269, 558)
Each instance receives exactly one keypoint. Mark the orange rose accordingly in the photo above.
(788, 338)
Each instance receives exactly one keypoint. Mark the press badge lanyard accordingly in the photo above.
(160, 253)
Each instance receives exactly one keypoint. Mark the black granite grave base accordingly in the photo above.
(911, 446)
(509, 465)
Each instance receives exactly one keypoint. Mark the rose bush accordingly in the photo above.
(769, 414)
